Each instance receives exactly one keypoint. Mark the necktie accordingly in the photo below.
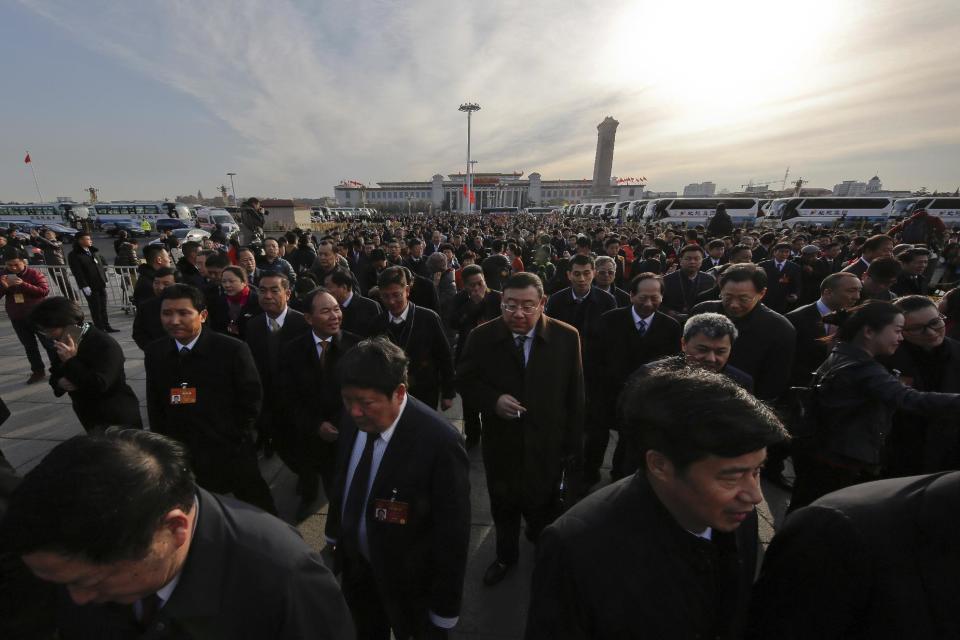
(520, 342)
(274, 325)
(642, 328)
(322, 353)
(149, 606)
(184, 354)
(353, 507)
(780, 266)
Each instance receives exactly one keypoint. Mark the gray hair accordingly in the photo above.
(605, 259)
(712, 325)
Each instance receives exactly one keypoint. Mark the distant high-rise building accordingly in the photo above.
(699, 190)
(603, 163)
(850, 188)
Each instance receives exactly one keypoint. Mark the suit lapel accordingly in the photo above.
(396, 454)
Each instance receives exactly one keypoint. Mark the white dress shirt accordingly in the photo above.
(636, 318)
(279, 319)
(403, 316)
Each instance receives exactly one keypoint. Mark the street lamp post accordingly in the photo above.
(469, 108)
(233, 187)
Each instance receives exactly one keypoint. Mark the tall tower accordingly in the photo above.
(603, 164)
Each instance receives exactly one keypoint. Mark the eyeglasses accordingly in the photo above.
(526, 309)
(933, 326)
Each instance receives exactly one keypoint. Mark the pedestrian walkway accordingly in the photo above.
(40, 421)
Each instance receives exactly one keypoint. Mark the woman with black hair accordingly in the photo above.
(854, 400)
(231, 310)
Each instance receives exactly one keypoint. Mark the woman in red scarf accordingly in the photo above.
(236, 305)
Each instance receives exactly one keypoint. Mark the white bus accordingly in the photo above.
(59, 212)
(846, 212)
(141, 210)
(694, 211)
(945, 208)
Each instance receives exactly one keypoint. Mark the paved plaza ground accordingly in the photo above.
(40, 421)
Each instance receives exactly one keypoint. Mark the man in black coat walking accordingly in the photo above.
(310, 393)
(399, 514)
(88, 270)
(359, 313)
(419, 333)
(629, 338)
(167, 559)
(203, 389)
(89, 366)
(682, 287)
(783, 279)
(146, 322)
(687, 518)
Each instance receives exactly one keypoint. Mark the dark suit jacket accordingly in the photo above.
(104, 398)
(858, 267)
(359, 315)
(424, 294)
(266, 349)
(781, 284)
(464, 315)
(419, 566)
(87, 269)
(431, 372)
(146, 323)
(679, 297)
(876, 560)
(218, 311)
(311, 395)
(622, 349)
(908, 284)
(585, 318)
(670, 585)
(524, 458)
(219, 427)
(248, 575)
(811, 352)
(621, 296)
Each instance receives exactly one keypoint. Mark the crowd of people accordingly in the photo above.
(714, 355)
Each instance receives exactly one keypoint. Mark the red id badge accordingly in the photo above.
(391, 511)
(183, 395)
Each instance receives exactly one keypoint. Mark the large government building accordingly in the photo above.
(492, 190)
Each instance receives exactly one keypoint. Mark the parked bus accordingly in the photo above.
(68, 213)
(499, 210)
(141, 210)
(945, 208)
(828, 211)
(694, 211)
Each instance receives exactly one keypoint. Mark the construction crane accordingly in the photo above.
(756, 183)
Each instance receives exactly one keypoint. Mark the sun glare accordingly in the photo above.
(710, 63)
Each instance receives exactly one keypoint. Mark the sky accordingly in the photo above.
(157, 98)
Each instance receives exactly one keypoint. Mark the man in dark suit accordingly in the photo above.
(715, 255)
(581, 305)
(265, 335)
(155, 257)
(311, 395)
(88, 366)
(629, 338)
(203, 389)
(399, 514)
(783, 279)
(912, 279)
(471, 307)
(876, 560)
(839, 290)
(146, 323)
(419, 333)
(878, 246)
(523, 372)
(687, 516)
(682, 287)
(88, 267)
(605, 280)
(814, 269)
(359, 313)
(167, 559)
(415, 260)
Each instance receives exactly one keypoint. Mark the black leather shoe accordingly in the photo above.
(495, 573)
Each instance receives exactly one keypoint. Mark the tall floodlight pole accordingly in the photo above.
(469, 108)
(233, 188)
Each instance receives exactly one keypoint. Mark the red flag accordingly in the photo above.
(473, 200)
(27, 159)
(465, 188)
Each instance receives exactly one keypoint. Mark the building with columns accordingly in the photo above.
(491, 189)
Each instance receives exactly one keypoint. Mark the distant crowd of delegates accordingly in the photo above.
(713, 354)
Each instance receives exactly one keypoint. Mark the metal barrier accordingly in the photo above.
(120, 284)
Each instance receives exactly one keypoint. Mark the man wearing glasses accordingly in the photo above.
(523, 371)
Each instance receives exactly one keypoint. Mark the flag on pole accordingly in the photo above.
(473, 200)
(27, 159)
(465, 191)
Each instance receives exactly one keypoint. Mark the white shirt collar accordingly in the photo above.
(279, 319)
(706, 534)
(317, 339)
(529, 334)
(346, 302)
(823, 308)
(637, 318)
(403, 316)
(190, 345)
(165, 592)
(386, 435)
(573, 292)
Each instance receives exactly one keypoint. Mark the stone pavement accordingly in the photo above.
(39, 421)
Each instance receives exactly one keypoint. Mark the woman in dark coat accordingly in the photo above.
(927, 360)
(230, 311)
(854, 401)
(89, 366)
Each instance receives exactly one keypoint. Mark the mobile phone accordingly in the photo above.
(74, 332)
